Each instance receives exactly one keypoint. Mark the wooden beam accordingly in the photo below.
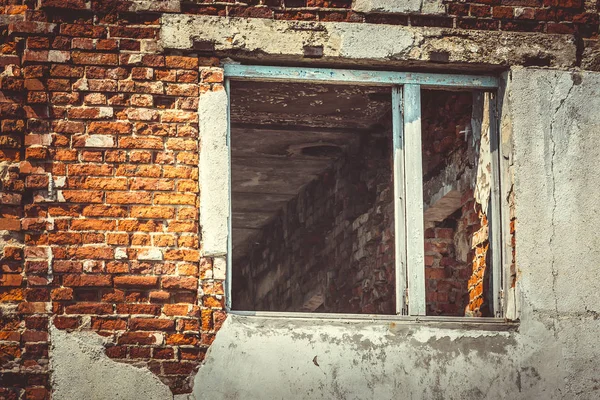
(340, 76)
(415, 236)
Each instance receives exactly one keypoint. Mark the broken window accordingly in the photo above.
(362, 198)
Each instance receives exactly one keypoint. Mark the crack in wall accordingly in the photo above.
(554, 201)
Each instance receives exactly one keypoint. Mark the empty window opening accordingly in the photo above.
(456, 194)
(357, 198)
(312, 198)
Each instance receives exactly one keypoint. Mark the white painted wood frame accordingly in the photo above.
(495, 214)
(399, 202)
(413, 172)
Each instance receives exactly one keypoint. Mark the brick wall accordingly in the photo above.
(100, 194)
(335, 239)
(98, 151)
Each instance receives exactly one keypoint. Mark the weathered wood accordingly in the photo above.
(415, 236)
(295, 74)
(399, 201)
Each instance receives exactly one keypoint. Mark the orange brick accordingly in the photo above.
(176, 309)
(177, 282)
(11, 280)
(97, 253)
(180, 339)
(152, 212)
(90, 169)
(175, 199)
(110, 128)
(135, 225)
(179, 226)
(64, 238)
(182, 255)
(93, 225)
(128, 198)
(98, 183)
(152, 184)
(104, 211)
(117, 238)
(11, 295)
(135, 281)
(127, 142)
(82, 196)
(159, 296)
(180, 172)
(181, 62)
(117, 267)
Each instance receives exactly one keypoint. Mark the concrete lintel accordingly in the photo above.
(368, 42)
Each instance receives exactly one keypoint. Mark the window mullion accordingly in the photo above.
(415, 237)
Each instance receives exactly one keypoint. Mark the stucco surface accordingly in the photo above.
(81, 370)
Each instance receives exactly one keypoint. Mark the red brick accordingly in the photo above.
(148, 309)
(108, 324)
(175, 282)
(181, 62)
(180, 339)
(62, 294)
(87, 280)
(104, 211)
(134, 33)
(138, 338)
(135, 281)
(151, 324)
(94, 58)
(89, 308)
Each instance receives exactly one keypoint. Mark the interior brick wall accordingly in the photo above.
(334, 237)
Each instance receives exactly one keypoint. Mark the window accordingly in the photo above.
(363, 192)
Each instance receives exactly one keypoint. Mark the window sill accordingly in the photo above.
(473, 323)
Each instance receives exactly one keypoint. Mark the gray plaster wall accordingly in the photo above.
(554, 352)
(81, 370)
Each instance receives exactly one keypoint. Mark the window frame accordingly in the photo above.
(405, 93)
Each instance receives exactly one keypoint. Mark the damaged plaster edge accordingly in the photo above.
(214, 172)
(430, 7)
(80, 369)
(367, 42)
